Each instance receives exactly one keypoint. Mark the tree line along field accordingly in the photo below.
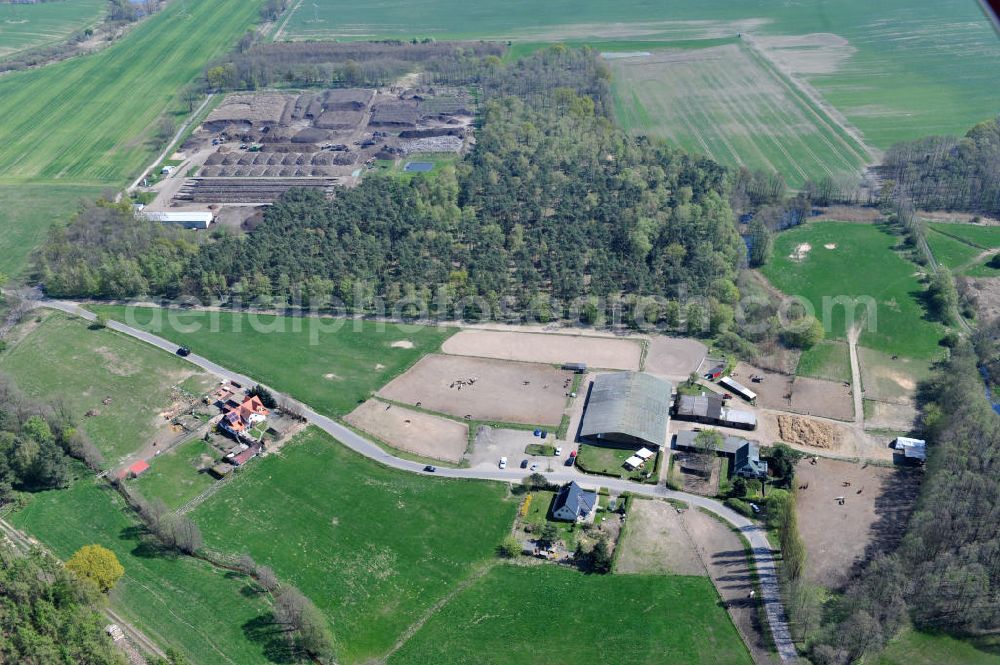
(351, 359)
(897, 70)
(209, 616)
(831, 259)
(729, 103)
(373, 547)
(28, 26)
(62, 358)
(518, 614)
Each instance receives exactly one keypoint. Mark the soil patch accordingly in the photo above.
(805, 395)
(674, 358)
(656, 542)
(877, 503)
(550, 348)
(413, 431)
(808, 432)
(484, 389)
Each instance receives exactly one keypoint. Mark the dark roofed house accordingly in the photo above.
(627, 409)
(744, 455)
(711, 410)
(574, 504)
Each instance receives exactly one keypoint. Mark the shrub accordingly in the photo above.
(509, 547)
(740, 506)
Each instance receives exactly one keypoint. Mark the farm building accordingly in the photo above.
(912, 450)
(711, 410)
(627, 409)
(189, 219)
(738, 389)
(574, 504)
(744, 456)
(240, 419)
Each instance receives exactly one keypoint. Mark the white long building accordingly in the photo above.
(189, 219)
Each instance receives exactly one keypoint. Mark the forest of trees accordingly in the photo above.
(49, 616)
(553, 202)
(945, 575)
(948, 173)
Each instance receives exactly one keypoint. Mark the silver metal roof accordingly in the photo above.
(631, 403)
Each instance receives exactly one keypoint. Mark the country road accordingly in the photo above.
(755, 534)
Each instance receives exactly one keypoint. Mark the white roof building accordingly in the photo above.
(190, 219)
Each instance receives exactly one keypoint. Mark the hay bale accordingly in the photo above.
(807, 432)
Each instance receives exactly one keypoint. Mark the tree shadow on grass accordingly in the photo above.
(272, 638)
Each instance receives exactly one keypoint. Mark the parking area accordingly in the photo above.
(492, 443)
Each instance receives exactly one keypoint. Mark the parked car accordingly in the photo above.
(754, 507)
(572, 454)
(534, 467)
(558, 451)
(183, 351)
(430, 469)
(524, 464)
(503, 462)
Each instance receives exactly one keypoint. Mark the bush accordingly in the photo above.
(740, 506)
(509, 547)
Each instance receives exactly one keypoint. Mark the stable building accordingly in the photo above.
(189, 219)
(711, 409)
(738, 388)
(913, 451)
(744, 455)
(627, 410)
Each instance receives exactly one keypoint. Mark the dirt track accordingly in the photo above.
(413, 431)
(484, 389)
(550, 348)
(656, 543)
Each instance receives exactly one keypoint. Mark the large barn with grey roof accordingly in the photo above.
(627, 409)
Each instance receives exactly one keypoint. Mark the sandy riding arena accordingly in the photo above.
(550, 348)
(412, 431)
(656, 543)
(484, 389)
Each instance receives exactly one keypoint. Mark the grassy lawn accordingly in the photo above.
(827, 360)
(330, 364)
(982, 269)
(175, 476)
(397, 169)
(553, 615)
(372, 547)
(608, 461)
(732, 105)
(61, 357)
(29, 26)
(211, 617)
(890, 380)
(861, 264)
(984, 237)
(539, 449)
(917, 648)
(949, 251)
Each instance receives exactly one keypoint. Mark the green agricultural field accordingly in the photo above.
(176, 476)
(984, 237)
(731, 104)
(916, 648)
(558, 616)
(374, 548)
(62, 358)
(827, 360)
(210, 616)
(860, 265)
(951, 252)
(90, 119)
(29, 26)
(897, 70)
(330, 364)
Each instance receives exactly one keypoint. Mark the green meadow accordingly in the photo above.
(555, 615)
(176, 476)
(917, 648)
(857, 263)
(63, 358)
(210, 617)
(24, 26)
(330, 364)
(829, 360)
(373, 547)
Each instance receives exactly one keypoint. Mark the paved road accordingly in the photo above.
(755, 534)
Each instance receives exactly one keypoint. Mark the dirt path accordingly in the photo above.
(856, 388)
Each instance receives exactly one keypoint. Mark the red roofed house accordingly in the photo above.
(238, 420)
(135, 470)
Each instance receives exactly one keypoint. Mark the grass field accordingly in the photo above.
(63, 358)
(860, 264)
(88, 120)
(174, 476)
(28, 26)
(827, 360)
(730, 104)
(916, 648)
(951, 252)
(211, 617)
(348, 361)
(896, 69)
(374, 548)
(608, 461)
(557, 616)
(984, 237)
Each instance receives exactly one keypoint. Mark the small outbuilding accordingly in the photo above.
(138, 468)
(738, 389)
(711, 409)
(912, 450)
(189, 219)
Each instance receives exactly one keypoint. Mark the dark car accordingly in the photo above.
(430, 469)
(183, 351)
(524, 464)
